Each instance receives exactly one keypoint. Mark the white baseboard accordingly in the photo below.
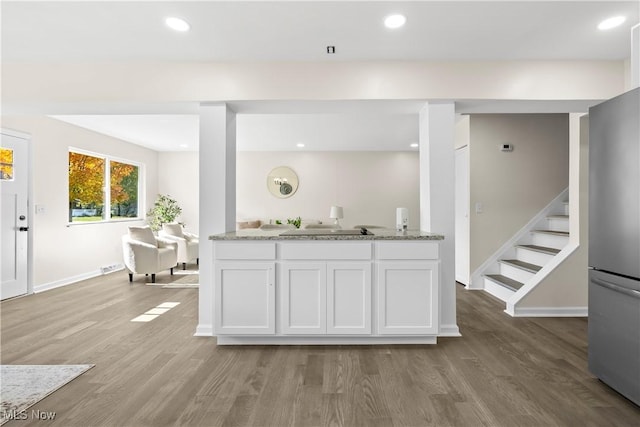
(323, 340)
(66, 281)
(204, 331)
(549, 312)
(449, 331)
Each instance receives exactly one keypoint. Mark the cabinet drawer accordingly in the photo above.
(238, 251)
(325, 251)
(407, 250)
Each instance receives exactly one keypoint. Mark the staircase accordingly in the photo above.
(523, 259)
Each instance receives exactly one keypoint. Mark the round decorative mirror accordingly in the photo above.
(282, 182)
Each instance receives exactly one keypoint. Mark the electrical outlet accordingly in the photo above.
(479, 207)
(112, 267)
(40, 209)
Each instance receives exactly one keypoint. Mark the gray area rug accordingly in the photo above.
(22, 386)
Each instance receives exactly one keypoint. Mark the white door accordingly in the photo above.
(15, 220)
(304, 298)
(462, 215)
(244, 298)
(349, 298)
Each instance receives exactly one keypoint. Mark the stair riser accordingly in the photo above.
(533, 257)
(497, 291)
(550, 241)
(515, 273)
(558, 224)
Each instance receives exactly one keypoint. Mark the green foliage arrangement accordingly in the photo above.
(165, 209)
(297, 221)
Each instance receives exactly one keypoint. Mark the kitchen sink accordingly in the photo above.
(327, 232)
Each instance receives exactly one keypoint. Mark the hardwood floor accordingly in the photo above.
(503, 372)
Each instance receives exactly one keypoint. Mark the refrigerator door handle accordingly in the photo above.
(614, 287)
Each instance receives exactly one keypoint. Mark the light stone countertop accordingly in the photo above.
(378, 234)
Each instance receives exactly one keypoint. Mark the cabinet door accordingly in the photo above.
(408, 297)
(303, 288)
(349, 298)
(245, 298)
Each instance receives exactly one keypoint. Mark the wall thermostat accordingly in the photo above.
(506, 147)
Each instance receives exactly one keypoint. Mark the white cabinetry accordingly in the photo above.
(244, 290)
(408, 298)
(303, 298)
(326, 292)
(408, 285)
(326, 298)
(349, 298)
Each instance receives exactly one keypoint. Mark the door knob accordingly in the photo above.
(23, 228)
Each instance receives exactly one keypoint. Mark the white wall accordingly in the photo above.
(461, 132)
(178, 177)
(27, 84)
(63, 253)
(369, 185)
(513, 186)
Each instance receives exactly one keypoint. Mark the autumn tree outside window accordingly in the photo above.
(102, 188)
(6, 164)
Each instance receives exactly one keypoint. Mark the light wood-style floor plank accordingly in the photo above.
(503, 372)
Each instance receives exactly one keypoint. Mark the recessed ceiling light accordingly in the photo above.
(414, 145)
(177, 24)
(184, 145)
(300, 145)
(610, 23)
(395, 21)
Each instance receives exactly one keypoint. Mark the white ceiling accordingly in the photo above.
(300, 31)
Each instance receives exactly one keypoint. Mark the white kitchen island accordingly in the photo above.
(326, 288)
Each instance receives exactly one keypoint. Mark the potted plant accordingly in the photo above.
(295, 221)
(165, 209)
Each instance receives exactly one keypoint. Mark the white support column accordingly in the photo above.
(635, 57)
(437, 201)
(217, 197)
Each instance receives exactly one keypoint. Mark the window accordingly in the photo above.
(102, 189)
(6, 164)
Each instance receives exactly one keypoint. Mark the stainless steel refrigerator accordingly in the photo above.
(614, 243)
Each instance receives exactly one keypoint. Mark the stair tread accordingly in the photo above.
(554, 232)
(558, 217)
(505, 281)
(532, 268)
(543, 249)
